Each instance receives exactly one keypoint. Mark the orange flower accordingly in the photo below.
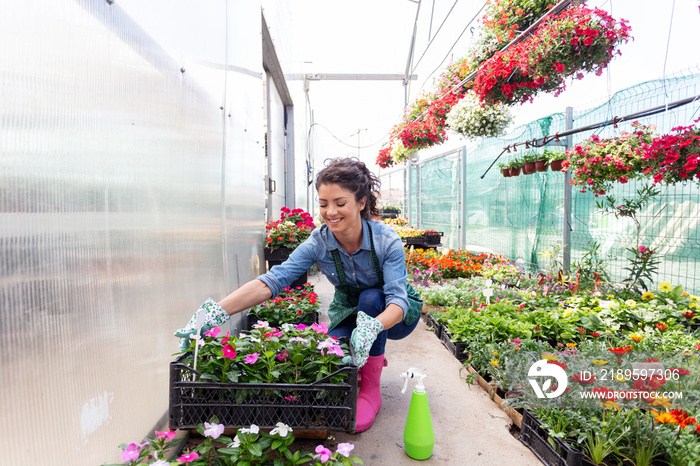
(664, 418)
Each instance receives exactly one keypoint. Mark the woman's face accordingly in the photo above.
(339, 209)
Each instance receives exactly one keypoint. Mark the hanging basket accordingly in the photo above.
(514, 171)
(528, 168)
(556, 165)
(505, 172)
(541, 165)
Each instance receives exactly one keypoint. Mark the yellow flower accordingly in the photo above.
(494, 362)
(611, 405)
(685, 294)
(495, 353)
(693, 306)
(665, 287)
(619, 377)
(661, 401)
(636, 338)
(648, 296)
(571, 345)
(599, 362)
(549, 357)
(567, 313)
(611, 296)
(693, 298)
(631, 303)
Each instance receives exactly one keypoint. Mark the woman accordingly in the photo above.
(362, 258)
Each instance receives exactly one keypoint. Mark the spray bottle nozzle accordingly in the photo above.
(413, 373)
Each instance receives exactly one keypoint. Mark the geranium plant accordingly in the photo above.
(472, 119)
(292, 229)
(575, 41)
(291, 305)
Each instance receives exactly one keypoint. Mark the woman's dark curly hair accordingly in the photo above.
(354, 176)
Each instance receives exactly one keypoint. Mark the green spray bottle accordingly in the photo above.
(418, 436)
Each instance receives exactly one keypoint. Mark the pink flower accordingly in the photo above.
(261, 324)
(229, 352)
(213, 332)
(132, 452)
(324, 453)
(167, 435)
(623, 179)
(345, 449)
(558, 66)
(213, 430)
(251, 358)
(283, 356)
(188, 458)
(642, 249)
(320, 328)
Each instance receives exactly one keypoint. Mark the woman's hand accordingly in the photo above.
(214, 316)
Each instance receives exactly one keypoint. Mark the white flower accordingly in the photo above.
(160, 463)
(236, 442)
(282, 428)
(252, 430)
(345, 449)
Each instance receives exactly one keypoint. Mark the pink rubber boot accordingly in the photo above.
(369, 399)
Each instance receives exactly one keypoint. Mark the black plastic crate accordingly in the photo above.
(551, 451)
(431, 322)
(458, 349)
(433, 238)
(416, 240)
(320, 405)
(307, 319)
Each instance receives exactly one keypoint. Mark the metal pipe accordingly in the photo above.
(566, 238)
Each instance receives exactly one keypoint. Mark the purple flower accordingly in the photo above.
(251, 358)
(324, 453)
(213, 430)
(345, 449)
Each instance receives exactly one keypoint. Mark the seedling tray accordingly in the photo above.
(458, 349)
(432, 323)
(551, 451)
(320, 405)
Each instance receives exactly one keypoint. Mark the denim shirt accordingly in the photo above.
(357, 266)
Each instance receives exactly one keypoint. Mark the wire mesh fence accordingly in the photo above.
(525, 217)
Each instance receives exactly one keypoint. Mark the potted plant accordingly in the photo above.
(505, 169)
(555, 160)
(541, 163)
(515, 166)
(293, 305)
(286, 234)
(529, 163)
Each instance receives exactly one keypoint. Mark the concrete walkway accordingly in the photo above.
(470, 429)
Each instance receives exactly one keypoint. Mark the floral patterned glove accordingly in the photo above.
(214, 317)
(363, 337)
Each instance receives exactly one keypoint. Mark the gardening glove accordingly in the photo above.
(214, 316)
(363, 337)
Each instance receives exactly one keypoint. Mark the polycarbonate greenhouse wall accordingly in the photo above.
(523, 217)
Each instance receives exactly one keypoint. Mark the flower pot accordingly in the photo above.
(280, 255)
(541, 165)
(505, 172)
(528, 168)
(556, 165)
(514, 171)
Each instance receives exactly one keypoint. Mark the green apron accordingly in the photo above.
(347, 296)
